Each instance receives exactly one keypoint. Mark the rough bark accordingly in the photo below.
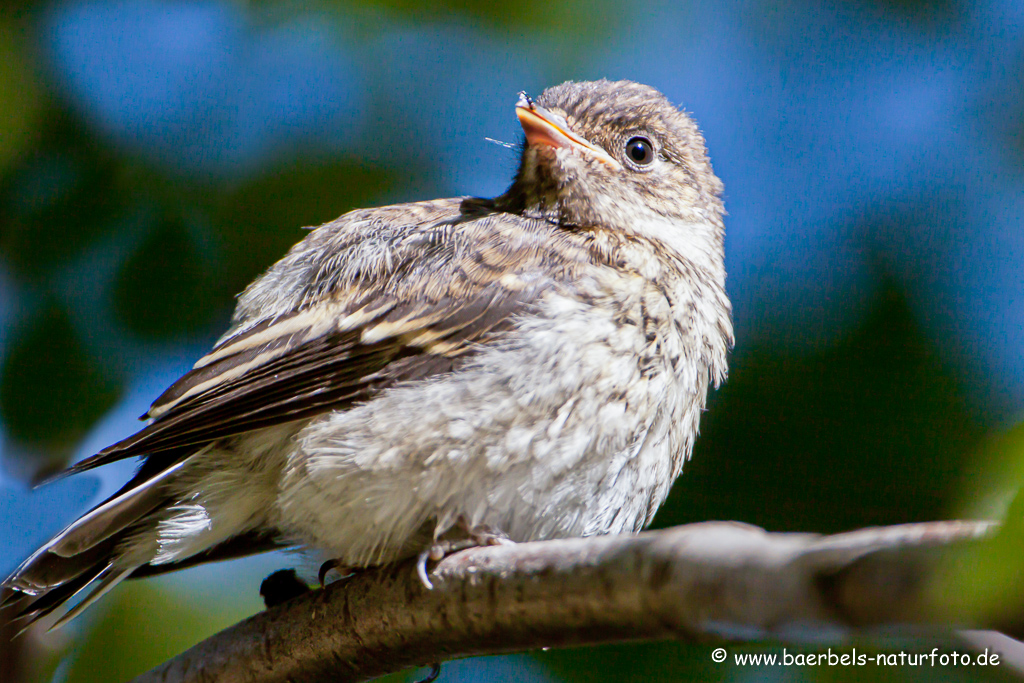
(716, 579)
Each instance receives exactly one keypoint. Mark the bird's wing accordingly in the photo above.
(366, 312)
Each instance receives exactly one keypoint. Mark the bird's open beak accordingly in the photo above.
(543, 127)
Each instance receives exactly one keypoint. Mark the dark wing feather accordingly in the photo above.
(328, 372)
(367, 301)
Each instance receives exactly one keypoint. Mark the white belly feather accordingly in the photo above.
(570, 427)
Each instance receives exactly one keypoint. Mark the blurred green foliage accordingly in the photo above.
(987, 580)
(59, 198)
(19, 96)
(51, 390)
(582, 23)
(256, 222)
(143, 626)
(874, 430)
(163, 288)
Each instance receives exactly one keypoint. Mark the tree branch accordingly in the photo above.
(689, 582)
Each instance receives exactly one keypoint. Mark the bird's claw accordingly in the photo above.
(435, 671)
(478, 536)
(336, 565)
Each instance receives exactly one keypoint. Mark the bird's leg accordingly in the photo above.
(460, 537)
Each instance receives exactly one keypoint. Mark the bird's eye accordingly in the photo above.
(640, 150)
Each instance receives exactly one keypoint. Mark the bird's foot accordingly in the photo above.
(485, 535)
(342, 569)
(282, 586)
(435, 671)
(459, 538)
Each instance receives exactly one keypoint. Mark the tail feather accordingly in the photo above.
(92, 551)
(104, 581)
(31, 608)
(112, 516)
(34, 608)
(107, 545)
(54, 582)
(44, 571)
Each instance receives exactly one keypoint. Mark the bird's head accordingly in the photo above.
(614, 155)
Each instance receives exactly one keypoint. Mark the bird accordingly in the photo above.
(415, 378)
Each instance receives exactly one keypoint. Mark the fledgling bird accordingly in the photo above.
(411, 377)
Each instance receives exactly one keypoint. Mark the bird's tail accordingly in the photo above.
(136, 532)
(90, 556)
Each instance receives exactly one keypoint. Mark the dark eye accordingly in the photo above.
(640, 150)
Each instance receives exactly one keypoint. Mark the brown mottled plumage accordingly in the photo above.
(534, 365)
